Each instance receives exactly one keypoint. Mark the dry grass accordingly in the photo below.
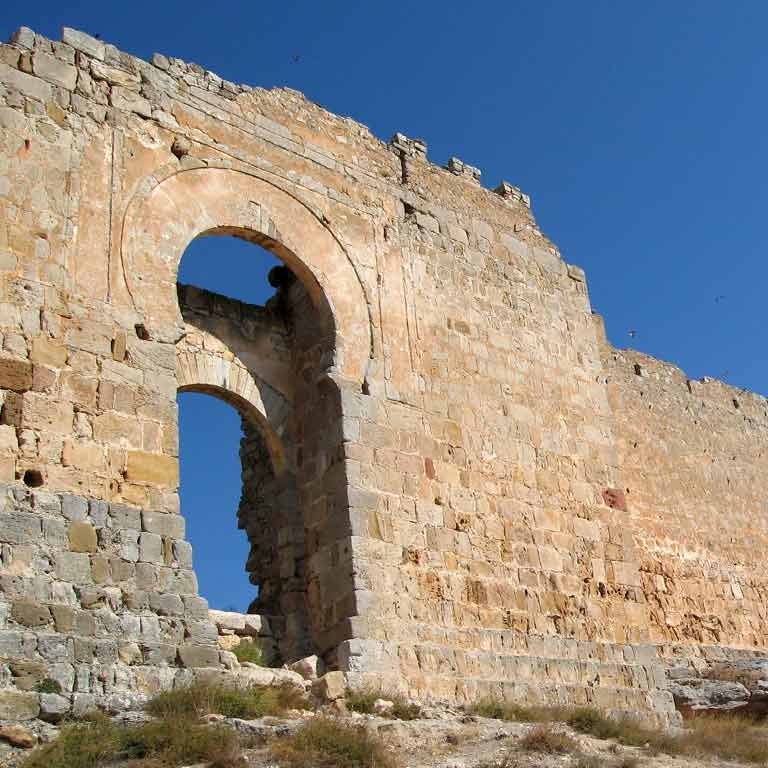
(543, 738)
(595, 761)
(729, 737)
(329, 743)
(203, 698)
(624, 730)
(363, 701)
(164, 743)
(250, 652)
(504, 710)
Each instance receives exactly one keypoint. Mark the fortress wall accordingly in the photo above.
(491, 512)
(463, 524)
(694, 460)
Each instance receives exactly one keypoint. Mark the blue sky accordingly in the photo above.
(638, 129)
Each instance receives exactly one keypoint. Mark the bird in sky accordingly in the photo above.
(718, 299)
(632, 333)
(296, 58)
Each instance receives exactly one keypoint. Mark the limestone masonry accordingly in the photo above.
(452, 483)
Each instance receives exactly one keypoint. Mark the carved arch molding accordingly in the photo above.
(164, 218)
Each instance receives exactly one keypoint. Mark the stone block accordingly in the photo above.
(166, 604)
(17, 736)
(129, 101)
(198, 656)
(27, 84)
(19, 705)
(310, 668)
(15, 374)
(331, 687)
(129, 653)
(82, 537)
(24, 37)
(54, 707)
(54, 70)
(586, 529)
(163, 524)
(98, 512)
(256, 626)
(228, 621)
(123, 516)
(74, 508)
(20, 528)
(151, 548)
(80, 41)
(182, 553)
(73, 567)
(31, 614)
(153, 468)
(43, 414)
(12, 644)
(115, 76)
(159, 654)
(203, 632)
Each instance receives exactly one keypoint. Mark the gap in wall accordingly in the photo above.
(210, 431)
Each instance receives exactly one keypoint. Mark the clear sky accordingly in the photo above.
(639, 129)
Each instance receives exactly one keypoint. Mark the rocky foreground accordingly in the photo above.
(297, 718)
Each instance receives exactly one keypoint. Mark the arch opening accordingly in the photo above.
(269, 361)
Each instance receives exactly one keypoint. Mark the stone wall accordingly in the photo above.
(694, 463)
(471, 512)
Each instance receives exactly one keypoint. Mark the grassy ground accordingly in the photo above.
(178, 735)
(363, 701)
(202, 698)
(330, 743)
(164, 743)
(728, 737)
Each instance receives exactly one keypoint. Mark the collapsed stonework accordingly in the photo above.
(452, 484)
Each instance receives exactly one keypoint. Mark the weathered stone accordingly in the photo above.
(18, 736)
(452, 482)
(19, 705)
(54, 70)
(198, 656)
(699, 694)
(163, 524)
(310, 668)
(82, 537)
(25, 83)
(80, 41)
(114, 76)
(74, 508)
(53, 707)
(129, 101)
(129, 653)
(73, 567)
(228, 620)
(152, 468)
(332, 686)
(15, 374)
(250, 674)
(31, 614)
(24, 37)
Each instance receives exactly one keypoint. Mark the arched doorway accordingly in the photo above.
(249, 356)
(319, 325)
